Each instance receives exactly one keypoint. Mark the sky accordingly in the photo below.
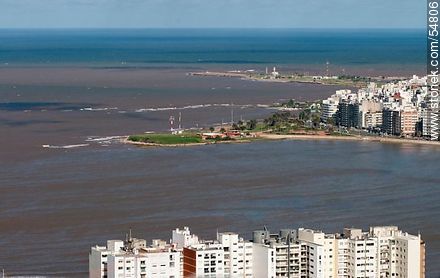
(212, 13)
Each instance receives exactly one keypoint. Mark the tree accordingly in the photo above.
(290, 103)
(222, 130)
(316, 119)
(252, 124)
(211, 129)
(331, 121)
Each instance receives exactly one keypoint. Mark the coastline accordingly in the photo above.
(126, 141)
(347, 138)
(275, 137)
(143, 144)
(298, 79)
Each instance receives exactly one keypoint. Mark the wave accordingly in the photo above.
(198, 106)
(65, 147)
(98, 109)
(102, 139)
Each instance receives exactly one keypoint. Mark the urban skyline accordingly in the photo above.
(383, 251)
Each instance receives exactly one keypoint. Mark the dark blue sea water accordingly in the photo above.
(367, 49)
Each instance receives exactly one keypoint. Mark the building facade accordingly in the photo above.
(380, 252)
(133, 259)
(409, 118)
(391, 122)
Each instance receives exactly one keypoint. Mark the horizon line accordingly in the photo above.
(212, 28)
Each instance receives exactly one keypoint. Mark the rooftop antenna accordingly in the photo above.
(171, 122)
(128, 244)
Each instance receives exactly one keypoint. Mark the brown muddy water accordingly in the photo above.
(56, 202)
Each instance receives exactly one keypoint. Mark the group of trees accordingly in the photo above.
(283, 121)
(291, 103)
(240, 125)
(248, 125)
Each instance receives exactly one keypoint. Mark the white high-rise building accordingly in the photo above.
(400, 254)
(329, 109)
(237, 255)
(430, 122)
(381, 252)
(132, 259)
(304, 253)
(330, 105)
(282, 255)
(205, 259)
(183, 237)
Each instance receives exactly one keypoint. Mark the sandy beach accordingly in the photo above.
(346, 138)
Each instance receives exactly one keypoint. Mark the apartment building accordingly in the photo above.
(330, 105)
(430, 123)
(348, 114)
(409, 118)
(303, 253)
(400, 254)
(132, 258)
(391, 122)
(372, 120)
(205, 259)
(329, 109)
(283, 255)
(370, 114)
(381, 252)
(396, 108)
(238, 255)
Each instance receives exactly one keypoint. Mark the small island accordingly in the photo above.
(166, 139)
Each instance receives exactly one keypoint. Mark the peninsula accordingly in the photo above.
(395, 112)
(275, 76)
